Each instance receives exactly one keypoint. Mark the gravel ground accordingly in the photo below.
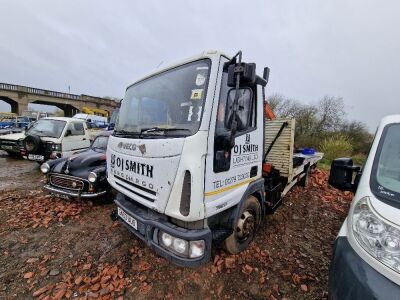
(53, 249)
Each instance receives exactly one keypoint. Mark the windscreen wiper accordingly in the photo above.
(125, 133)
(160, 129)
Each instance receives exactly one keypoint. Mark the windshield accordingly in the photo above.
(45, 127)
(100, 143)
(170, 103)
(385, 177)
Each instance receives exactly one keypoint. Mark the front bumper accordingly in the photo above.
(149, 223)
(72, 194)
(350, 277)
(12, 149)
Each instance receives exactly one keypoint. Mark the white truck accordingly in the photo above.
(195, 161)
(54, 137)
(366, 258)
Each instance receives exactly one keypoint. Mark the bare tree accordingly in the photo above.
(331, 114)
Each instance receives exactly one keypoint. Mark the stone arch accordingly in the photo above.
(68, 109)
(13, 103)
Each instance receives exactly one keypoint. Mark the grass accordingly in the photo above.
(358, 160)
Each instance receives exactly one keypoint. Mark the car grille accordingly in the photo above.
(67, 182)
(8, 143)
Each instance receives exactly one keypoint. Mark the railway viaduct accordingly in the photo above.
(20, 96)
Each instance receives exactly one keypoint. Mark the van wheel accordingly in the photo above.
(245, 227)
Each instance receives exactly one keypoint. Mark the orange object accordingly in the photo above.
(267, 168)
(268, 111)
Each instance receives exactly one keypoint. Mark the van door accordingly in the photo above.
(75, 138)
(229, 172)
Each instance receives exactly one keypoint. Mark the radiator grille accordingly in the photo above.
(67, 182)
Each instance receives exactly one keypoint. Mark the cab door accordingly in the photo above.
(75, 138)
(230, 170)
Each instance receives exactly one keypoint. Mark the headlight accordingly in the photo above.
(92, 177)
(196, 248)
(375, 235)
(191, 249)
(45, 168)
(54, 147)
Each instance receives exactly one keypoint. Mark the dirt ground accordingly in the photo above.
(52, 249)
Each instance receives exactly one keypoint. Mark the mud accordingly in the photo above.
(83, 254)
(18, 173)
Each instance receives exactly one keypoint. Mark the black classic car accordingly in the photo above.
(82, 175)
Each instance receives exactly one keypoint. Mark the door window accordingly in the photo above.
(76, 129)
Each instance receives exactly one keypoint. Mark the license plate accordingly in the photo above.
(36, 157)
(127, 218)
(62, 196)
(7, 147)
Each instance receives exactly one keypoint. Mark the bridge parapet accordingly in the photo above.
(42, 92)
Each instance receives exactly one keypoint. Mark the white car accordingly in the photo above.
(12, 143)
(55, 137)
(366, 259)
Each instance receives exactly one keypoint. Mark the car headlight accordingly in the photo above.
(54, 147)
(375, 235)
(191, 249)
(92, 177)
(45, 168)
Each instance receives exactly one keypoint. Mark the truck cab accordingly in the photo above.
(54, 137)
(187, 155)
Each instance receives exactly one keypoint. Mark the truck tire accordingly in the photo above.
(245, 227)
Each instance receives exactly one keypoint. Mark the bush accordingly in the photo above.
(335, 146)
(359, 159)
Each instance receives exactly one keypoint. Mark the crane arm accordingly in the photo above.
(268, 111)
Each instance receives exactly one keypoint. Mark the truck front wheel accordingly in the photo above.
(245, 227)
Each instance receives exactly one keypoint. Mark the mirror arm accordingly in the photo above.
(238, 70)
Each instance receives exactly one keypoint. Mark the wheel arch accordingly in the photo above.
(256, 189)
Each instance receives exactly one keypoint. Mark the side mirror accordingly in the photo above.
(241, 120)
(341, 174)
(247, 73)
(266, 74)
(222, 161)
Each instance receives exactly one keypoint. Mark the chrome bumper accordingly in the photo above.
(73, 194)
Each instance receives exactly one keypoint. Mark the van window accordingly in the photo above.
(76, 129)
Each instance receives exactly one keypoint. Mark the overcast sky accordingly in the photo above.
(315, 48)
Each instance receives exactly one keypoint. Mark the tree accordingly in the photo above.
(359, 136)
(330, 113)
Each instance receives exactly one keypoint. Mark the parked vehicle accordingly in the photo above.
(55, 137)
(12, 143)
(97, 121)
(82, 175)
(192, 169)
(366, 258)
(15, 125)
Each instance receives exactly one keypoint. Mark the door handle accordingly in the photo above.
(84, 139)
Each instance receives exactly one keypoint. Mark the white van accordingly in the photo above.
(55, 137)
(366, 259)
(101, 122)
